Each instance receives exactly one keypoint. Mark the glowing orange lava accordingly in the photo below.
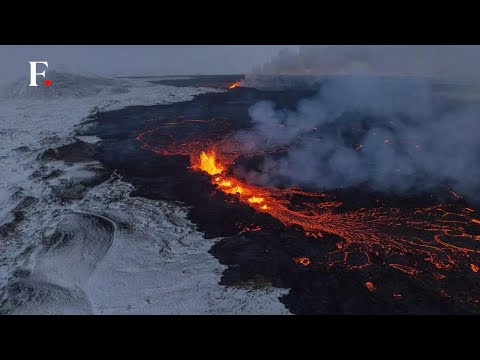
(406, 269)
(255, 200)
(474, 267)
(305, 261)
(234, 189)
(249, 194)
(234, 85)
(369, 285)
(209, 164)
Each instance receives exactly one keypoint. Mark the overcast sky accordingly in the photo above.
(137, 59)
(456, 62)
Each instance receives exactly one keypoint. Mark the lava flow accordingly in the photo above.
(435, 232)
(443, 237)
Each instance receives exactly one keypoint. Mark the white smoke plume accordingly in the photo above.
(394, 134)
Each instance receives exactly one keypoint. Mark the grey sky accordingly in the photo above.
(137, 59)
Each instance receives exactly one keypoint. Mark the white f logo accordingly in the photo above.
(33, 71)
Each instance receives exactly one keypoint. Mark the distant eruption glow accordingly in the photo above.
(234, 85)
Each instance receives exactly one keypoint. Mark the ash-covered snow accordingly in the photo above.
(70, 248)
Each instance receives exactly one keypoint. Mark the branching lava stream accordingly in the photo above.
(444, 237)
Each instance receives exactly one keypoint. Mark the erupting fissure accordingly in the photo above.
(247, 193)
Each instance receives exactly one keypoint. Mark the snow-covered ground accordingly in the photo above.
(101, 251)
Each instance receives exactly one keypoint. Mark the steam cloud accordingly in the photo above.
(415, 134)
